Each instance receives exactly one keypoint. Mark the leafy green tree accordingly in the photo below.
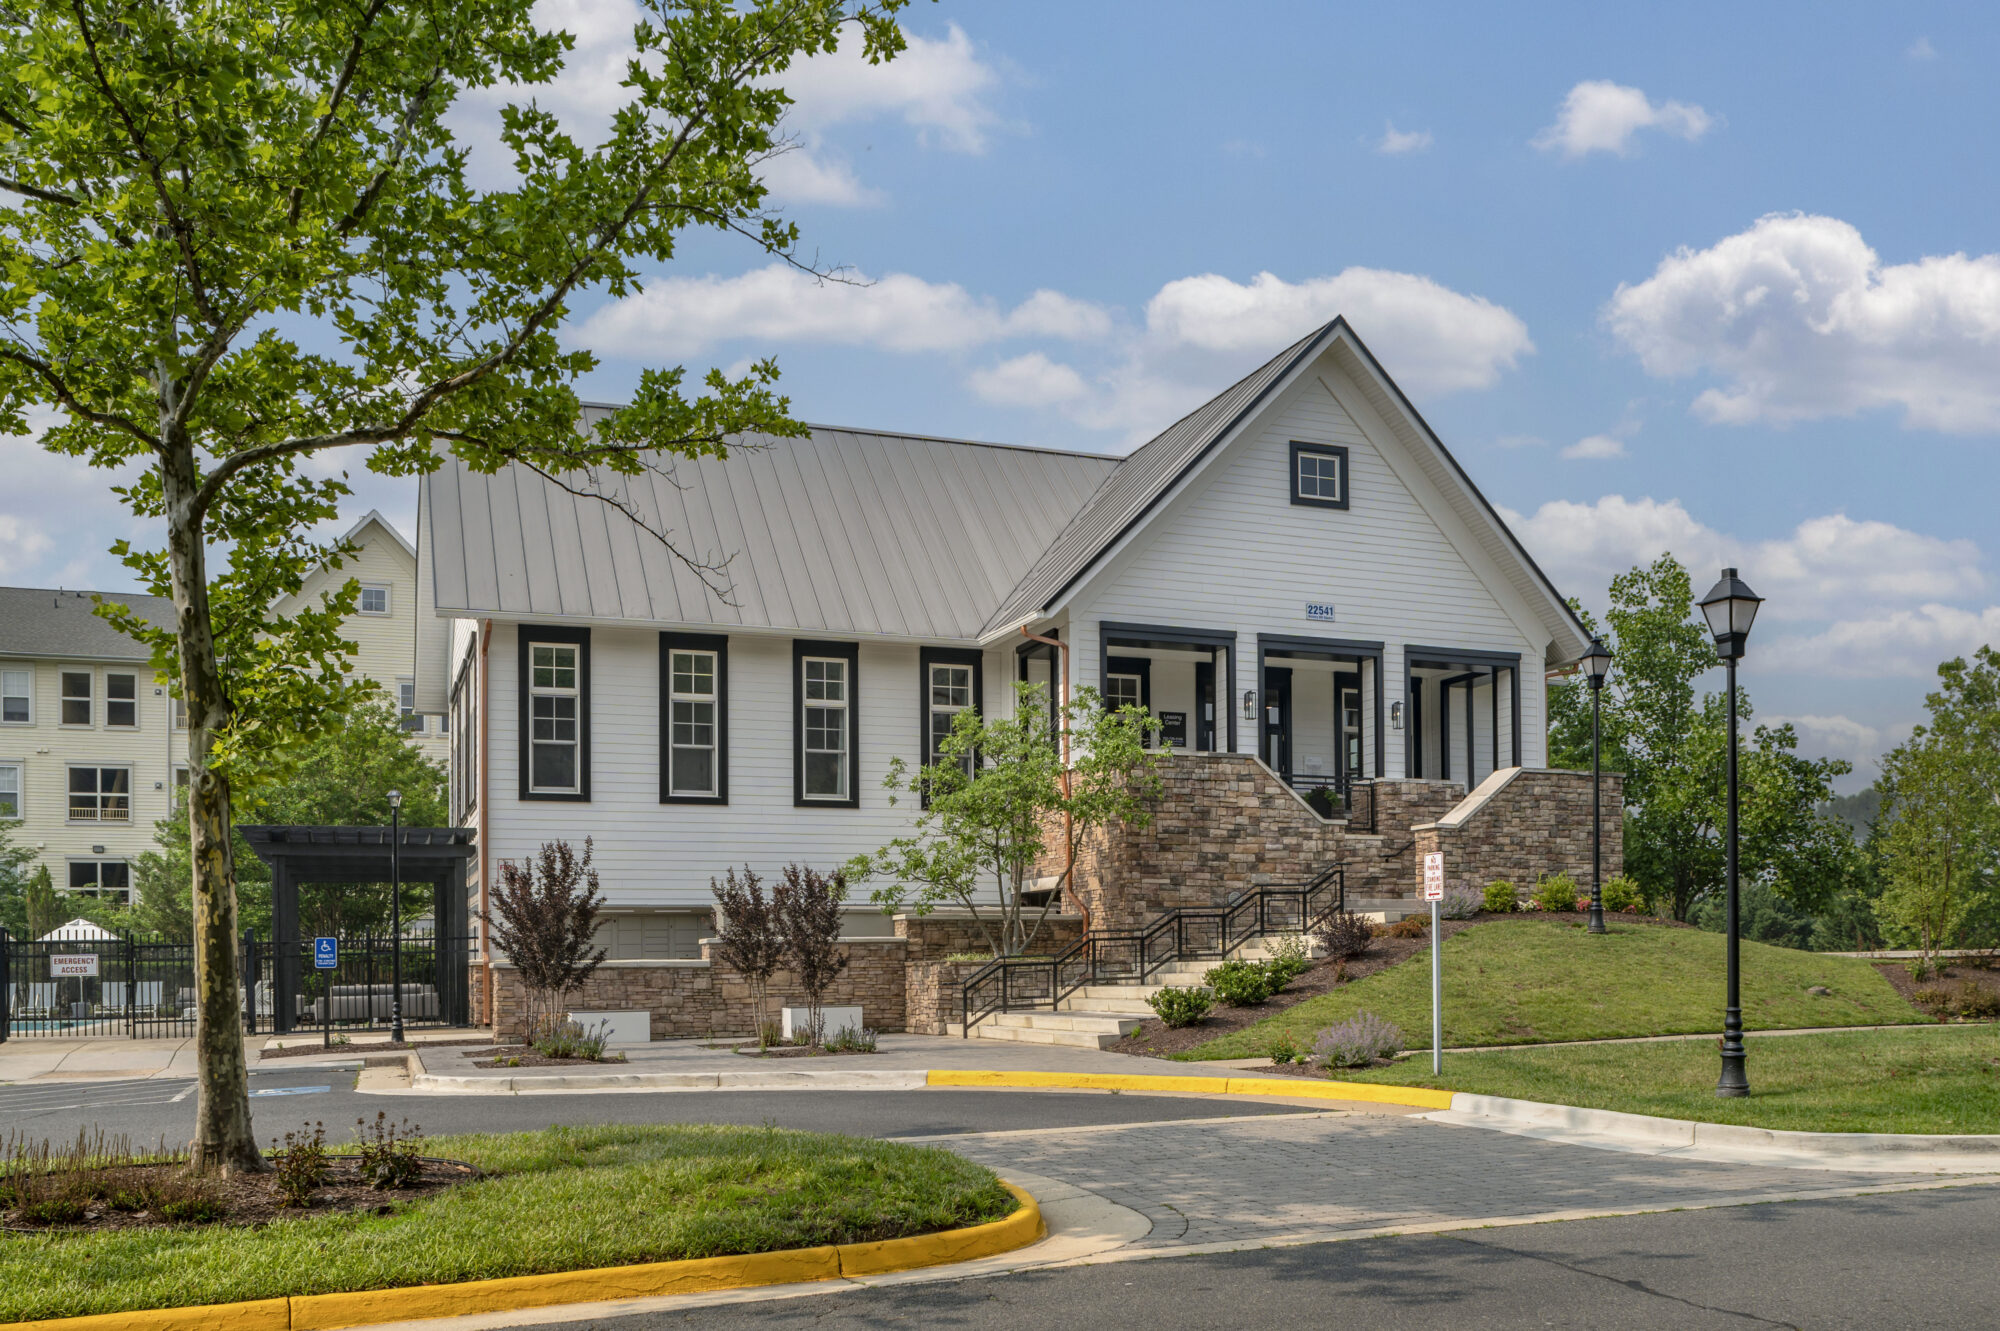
(14, 880)
(998, 792)
(242, 234)
(1670, 740)
(1939, 843)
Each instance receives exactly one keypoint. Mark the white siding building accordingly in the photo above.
(1298, 570)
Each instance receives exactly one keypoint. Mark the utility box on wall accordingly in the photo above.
(833, 1020)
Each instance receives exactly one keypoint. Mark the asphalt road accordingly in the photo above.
(1920, 1259)
(284, 1098)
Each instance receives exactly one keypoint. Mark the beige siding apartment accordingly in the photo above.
(91, 746)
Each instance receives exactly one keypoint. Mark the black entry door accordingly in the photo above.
(1204, 706)
(1347, 726)
(1278, 719)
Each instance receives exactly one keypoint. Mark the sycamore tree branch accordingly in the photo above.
(36, 192)
(397, 147)
(59, 386)
(341, 83)
(710, 573)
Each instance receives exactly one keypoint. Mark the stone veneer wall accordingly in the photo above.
(689, 998)
(933, 989)
(942, 933)
(1533, 823)
(1225, 823)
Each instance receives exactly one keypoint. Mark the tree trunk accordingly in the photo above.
(224, 1140)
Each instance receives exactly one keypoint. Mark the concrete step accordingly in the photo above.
(1085, 1020)
(1108, 999)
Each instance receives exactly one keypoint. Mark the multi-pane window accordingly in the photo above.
(180, 714)
(101, 877)
(17, 701)
(100, 794)
(1123, 691)
(374, 601)
(827, 733)
(10, 790)
(121, 700)
(949, 692)
(76, 697)
(406, 705)
(1319, 475)
(553, 699)
(691, 760)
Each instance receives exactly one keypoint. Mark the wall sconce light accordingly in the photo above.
(1395, 716)
(1250, 705)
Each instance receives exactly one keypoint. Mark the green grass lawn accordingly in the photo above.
(1532, 981)
(1933, 1079)
(564, 1199)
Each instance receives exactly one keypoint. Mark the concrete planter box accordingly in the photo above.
(619, 1027)
(833, 1020)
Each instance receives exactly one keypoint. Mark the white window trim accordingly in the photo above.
(714, 700)
(575, 692)
(388, 600)
(125, 892)
(29, 671)
(20, 766)
(131, 794)
(932, 708)
(134, 676)
(62, 697)
(844, 706)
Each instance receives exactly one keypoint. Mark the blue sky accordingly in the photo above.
(1719, 279)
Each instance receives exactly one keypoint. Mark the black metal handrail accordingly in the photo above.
(1134, 956)
(1352, 798)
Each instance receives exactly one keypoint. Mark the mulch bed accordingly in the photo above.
(372, 1047)
(1155, 1039)
(795, 1051)
(524, 1056)
(247, 1199)
(1953, 977)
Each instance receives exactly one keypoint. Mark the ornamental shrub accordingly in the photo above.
(1499, 896)
(1623, 894)
(1410, 926)
(1344, 934)
(1291, 957)
(1177, 1007)
(1285, 1049)
(1555, 892)
(1240, 983)
(1976, 1003)
(1460, 903)
(1356, 1042)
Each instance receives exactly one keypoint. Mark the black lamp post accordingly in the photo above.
(396, 916)
(1596, 665)
(1730, 607)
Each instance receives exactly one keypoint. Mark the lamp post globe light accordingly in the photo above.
(396, 916)
(1596, 665)
(1730, 607)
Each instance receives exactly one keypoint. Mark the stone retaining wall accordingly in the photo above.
(932, 991)
(1522, 824)
(944, 932)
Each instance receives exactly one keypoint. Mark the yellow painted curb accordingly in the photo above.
(326, 1312)
(1298, 1088)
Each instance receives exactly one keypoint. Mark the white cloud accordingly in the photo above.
(1601, 116)
(1827, 567)
(1921, 49)
(1432, 339)
(1395, 142)
(1596, 446)
(938, 87)
(1903, 643)
(1032, 380)
(685, 316)
(1840, 737)
(1803, 321)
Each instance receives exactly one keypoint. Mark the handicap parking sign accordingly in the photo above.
(326, 953)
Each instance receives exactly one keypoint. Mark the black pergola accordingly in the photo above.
(299, 855)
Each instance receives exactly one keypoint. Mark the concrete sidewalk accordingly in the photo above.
(102, 1059)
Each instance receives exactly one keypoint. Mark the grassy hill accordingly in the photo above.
(1530, 981)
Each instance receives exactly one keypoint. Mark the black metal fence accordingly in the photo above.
(143, 988)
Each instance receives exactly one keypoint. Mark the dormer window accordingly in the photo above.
(1319, 475)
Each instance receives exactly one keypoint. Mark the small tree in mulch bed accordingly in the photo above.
(748, 939)
(544, 918)
(807, 906)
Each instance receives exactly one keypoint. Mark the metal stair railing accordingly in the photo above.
(1134, 956)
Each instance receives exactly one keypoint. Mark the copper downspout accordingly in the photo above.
(485, 785)
(1069, 830)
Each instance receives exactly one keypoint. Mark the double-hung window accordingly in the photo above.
(1319, 475)
(100, 794)
(76, 697)
(555, 713)
(10, 790)
(1128, 682)
(121, 701)
(406, 704)
(694, 740)
(17, 697)
(951, 684)
(827, 765)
